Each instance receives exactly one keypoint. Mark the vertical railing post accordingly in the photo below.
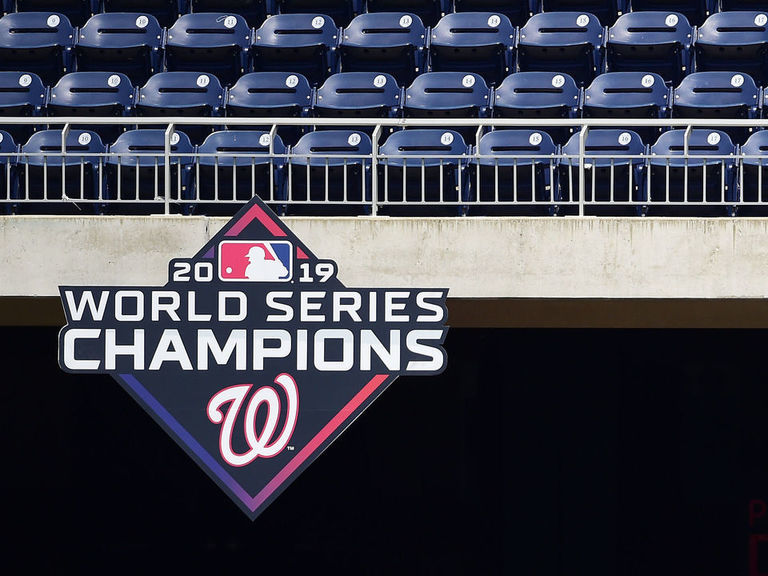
(64, 136)
(582, 160)
(167, 169)
(374, 170)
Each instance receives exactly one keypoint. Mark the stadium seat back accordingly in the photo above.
(483, 42)
(651, 41)
(606, 10)
(212, 42)
(301, 43)
(628, 95)
(734, 42)
(566, 42)
(539, 95)
(37, 42)
(129, 43)
(720, 95)
(392, 42)
(366, 94)
(21, 94)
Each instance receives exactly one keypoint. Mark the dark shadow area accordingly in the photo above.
(546, 452)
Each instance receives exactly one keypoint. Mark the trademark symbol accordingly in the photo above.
(290, 448)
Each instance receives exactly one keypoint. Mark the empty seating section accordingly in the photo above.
(304, 43)
(182, 94)
(628, 95)
(330, 166)
(425, 60)
(21, 94)
(366, 94)
(570, 42)
(233, 165)
(212, 42)
(128, 42)
(516, 167)
(422, 171)
(718, 95)
(539, 95)
(70, 174)
(135, 169)
(448, 94)
(37, 42)
(735, 42)
(707, 174)
(271, 94)
(614, 167)
(653, 41)
(392, 42)
(482, 42)
(93, 94)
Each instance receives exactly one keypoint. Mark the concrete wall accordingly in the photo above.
(486, 258)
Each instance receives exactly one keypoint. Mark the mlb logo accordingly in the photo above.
(265, 261)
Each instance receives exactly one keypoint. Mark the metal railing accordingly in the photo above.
(166, 180)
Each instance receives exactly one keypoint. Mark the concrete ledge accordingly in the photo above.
(476, 258)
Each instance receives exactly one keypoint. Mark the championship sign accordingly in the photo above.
(253, 356)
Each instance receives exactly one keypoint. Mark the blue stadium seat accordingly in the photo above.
(128, 42)
(708, 179)
(518, 11)
(329, 172)
(718, 95)
(449, 95)
(254, 11)
(73, 176)
(423, 171)
(515, 166)
(606, 10)
(628, 95)
(233, 165)
(301, 43)
(753, 178)
(391, 42)
(430, 11)
(135, 170)
(359, 94)
(735, 42)
(615, 171)
(77, 11)
(39, 42)
(21, 94)
(539, 95)
(166, 11)
(696, 11)
(212, 42)
(566, 42)
(483, 42)
(9, 158)
(341, 11)
(651, 41)
(271, 94)
(182, 94)
(93, 94)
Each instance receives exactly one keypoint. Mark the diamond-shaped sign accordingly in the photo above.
(253, 356)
